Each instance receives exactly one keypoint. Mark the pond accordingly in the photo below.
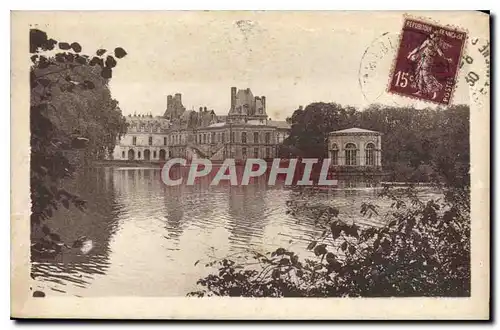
(146, 236)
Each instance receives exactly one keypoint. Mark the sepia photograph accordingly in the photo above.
(250, 164)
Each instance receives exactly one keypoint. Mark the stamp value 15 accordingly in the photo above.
(427, 61)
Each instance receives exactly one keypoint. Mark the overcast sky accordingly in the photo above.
(291, 58)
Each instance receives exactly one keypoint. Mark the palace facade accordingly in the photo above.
(246, 132)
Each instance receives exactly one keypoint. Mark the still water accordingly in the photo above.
(146, 237)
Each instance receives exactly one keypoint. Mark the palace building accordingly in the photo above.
(246, 132)
(355, 147)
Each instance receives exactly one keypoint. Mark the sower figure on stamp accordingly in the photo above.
(425, 82)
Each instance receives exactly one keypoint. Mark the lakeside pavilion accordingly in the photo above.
(355, 147)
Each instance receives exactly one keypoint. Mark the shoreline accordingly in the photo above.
(141, 164)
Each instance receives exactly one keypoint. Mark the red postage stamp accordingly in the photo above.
(427, 61)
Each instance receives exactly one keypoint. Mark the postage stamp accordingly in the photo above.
(427, 61)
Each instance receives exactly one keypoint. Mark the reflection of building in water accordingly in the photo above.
(355, 147)
(144, 196)
(174, 210)
(246, 132)
(358, 182)
(247, 210)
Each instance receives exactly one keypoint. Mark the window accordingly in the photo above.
(138, 154)
(233, 137)
(123, 154)
(154, 154)
(223, 137)
(134, 140)
(335, 154)
(255, 152)
(150, 141)
(244, 152)
(256, 137)
(268, 152)
(213, 138)
(370, 154)
(244, 137)
(268, 138)
(204, 138)
(350, 154)
(164, 141)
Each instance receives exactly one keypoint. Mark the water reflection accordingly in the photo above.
(73, 268)
(247, 208)
(148, 236)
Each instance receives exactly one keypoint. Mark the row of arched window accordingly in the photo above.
(131, 154)
(351, 154)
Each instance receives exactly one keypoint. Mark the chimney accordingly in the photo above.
(169, 101)
(178, 101)
(233, 98)
(263, 99)
(205, 109)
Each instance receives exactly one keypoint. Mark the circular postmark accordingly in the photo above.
(375, 69)
(377, 61)
(475, 70)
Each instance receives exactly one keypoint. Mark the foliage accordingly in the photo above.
(311, 125)
(72, 119)
(422, 250)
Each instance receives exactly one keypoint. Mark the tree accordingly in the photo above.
(311, 125)
(72, 119)
(415, 141)
(417, 145)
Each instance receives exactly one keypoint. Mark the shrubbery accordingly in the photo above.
(422, 250)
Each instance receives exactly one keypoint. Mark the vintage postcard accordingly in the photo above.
(250, 165)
